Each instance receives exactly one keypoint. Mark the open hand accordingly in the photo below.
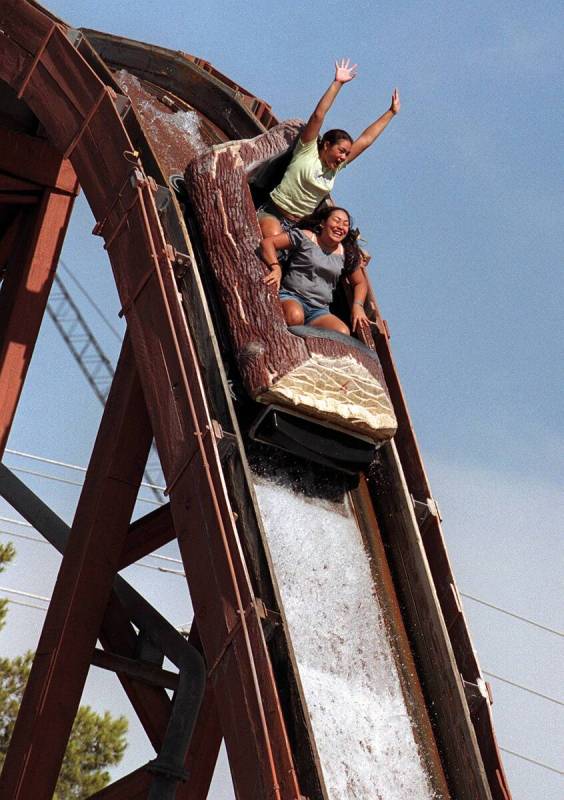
(358, 318)
(344, 71)
(396, 105)
(274, 277)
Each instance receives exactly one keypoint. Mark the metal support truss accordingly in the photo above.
(77, 335)
(89, 355)
(127, 606)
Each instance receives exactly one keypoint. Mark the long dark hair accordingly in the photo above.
(332, 137)
(351, 248)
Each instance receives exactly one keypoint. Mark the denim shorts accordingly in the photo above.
(310, 312)
(268, 209)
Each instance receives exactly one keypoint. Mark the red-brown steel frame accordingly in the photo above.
(32, 258)
(80, 118)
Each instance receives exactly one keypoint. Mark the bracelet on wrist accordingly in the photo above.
(358, 303)
(274, 264)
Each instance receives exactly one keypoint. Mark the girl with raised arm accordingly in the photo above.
(321, 248)
(311, 173)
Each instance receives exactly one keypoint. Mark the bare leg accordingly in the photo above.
(269, 226)
(293, 312)
(331, 322)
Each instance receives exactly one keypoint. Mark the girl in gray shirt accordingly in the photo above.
(321, 248)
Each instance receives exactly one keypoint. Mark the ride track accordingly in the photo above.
(67, 120)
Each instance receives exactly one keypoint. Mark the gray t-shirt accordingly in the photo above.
(311, 273)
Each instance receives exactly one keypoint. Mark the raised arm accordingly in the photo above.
(373, 131)
(344, 73)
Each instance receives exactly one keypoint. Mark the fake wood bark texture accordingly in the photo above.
(276, 366)
(218, 187)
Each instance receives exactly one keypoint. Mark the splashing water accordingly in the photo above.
(360, 720)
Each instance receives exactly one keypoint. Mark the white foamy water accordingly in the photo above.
(362, 728)
(187, 123)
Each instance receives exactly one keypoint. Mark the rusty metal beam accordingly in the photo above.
(24, 295)
(135, 786)
(206, 740)
(140, 670)
(233, 109)
(33, 159)
(220, 588)
(151, 703)
(147, 534)
(81, 592)
(117, 634)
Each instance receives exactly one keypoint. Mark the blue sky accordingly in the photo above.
(459, 203)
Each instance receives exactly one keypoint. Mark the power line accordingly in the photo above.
(165, 558)
(524, 688)
(25, 594)
(149, 555)
(157, 569)
(503, 749)
(23, 536)
(23, 603)
(512, 614)
(178, 561)
(532, 760)
(16, 522)
(176, 572)
(154, 486)
(74, 483)
(463, 594)
(134, 564)
(182, 574)
(33, 596)
(24, 471)
(45, 460)
(55, 462)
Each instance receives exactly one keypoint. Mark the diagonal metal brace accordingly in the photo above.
(192, 672)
